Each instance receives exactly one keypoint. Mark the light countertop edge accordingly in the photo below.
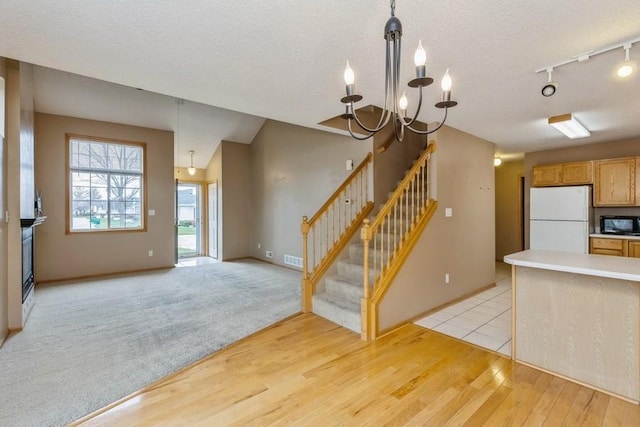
(613, 267)
(614, 236)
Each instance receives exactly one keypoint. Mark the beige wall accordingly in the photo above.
(19, 175)
(605, 150)
(60, 255)
(182, 174)
(462, 245)
(234, 194)
(4, 313)
(508, 211)
(391, 165)
(293, 172)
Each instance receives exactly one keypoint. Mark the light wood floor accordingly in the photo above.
(307, 371)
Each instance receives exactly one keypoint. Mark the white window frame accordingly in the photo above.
(107, 194)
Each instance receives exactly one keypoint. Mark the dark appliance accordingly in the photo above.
(615, 224)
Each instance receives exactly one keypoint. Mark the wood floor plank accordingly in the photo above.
(307, 371)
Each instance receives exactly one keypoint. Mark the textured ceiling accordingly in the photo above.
(283, 59)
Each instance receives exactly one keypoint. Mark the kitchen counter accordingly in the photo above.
(593, 265)
(615, 236)
(578, 316)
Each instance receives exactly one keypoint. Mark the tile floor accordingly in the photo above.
(483, 319)
(193, 261)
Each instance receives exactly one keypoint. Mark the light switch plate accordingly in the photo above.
(448, 212)
(152, 212)
(349, 165)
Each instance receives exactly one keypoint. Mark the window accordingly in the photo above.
(106, 185)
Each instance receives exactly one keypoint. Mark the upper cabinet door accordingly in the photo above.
(614, 183)
(578, 173)
(546, 175)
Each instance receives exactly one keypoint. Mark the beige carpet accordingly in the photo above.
(89, 343)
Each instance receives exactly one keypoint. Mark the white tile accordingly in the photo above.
(428, 322)
(441, 316)
(499, 305)
(506, 315)
(455, 309)
(476, 315)
(463, 322)
(468, 303)
(491, 311)
(506, 349)
(500, 322)
(494, 331)
(485, 341)
(451, 330)
(502, 298)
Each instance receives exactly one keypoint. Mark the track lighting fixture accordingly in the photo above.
(626, 68)
(191, 169)
(551, 86)
(623, 70)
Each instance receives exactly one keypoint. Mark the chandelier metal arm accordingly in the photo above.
(415, 116)
(359, 138)
(381, 124)
(427, 132)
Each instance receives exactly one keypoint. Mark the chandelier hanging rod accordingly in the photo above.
(395, 107)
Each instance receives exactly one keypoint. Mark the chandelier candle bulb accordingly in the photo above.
(446, 82)
(349, 77)
(403, 103)
(420, 60)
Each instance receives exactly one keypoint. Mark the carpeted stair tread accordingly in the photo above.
(344, 287)
(339, 311)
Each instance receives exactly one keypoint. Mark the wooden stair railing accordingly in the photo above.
(330, 229)
(394, 232)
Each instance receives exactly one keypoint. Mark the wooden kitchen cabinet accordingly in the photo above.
(614, 182)
(546, 175)
(603, 246)
(633, 249)
(575, 173)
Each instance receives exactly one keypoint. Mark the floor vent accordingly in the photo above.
(293, 260)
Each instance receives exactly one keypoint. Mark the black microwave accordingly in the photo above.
(614, 224)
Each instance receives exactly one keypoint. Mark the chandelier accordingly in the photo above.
(395, 105)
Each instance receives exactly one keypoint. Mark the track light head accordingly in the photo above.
(549, 89)
(551, 86)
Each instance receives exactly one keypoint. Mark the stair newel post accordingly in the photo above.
(365, 236)
(306, 283)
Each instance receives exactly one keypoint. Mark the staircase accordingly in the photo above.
(341, 299)
(335, 269)
(343, 292)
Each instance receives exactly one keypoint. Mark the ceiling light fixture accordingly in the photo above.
(497, 161)
(569, 126)
(191, 169)
(551, 86)
(583, 57)
(626, 68)
(395, 103)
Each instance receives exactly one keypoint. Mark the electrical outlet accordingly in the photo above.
(446, 278)
(150, 253)
(269, 254)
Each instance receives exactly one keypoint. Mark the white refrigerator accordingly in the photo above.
(560, 218)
